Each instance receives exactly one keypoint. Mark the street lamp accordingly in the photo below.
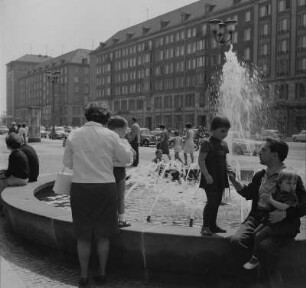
(52, 77)
(222, 31)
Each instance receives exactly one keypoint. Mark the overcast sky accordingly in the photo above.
(54, 27)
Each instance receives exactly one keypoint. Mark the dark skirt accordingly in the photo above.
(94, 210)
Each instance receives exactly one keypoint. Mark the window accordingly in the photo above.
(301, 2)
(301, 43)
(247, 34)
(282, 67)
(124, 105)
(264, 49)
(247, 53)
(302, 65)
(265, 10)
(283, 46)
(158, 102)
(168, 102)
(283, 5)
(247, 16)
(302, 21)
(235, 37)
(283, 91)
(214, 43)
(204, 29)
(283, 25)
(200, 44)
(139, 104)
(264, 30)
(189, 100)
(178, 101)
(300, 90)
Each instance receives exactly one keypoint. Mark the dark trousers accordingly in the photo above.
(214, 198)
(242, 245)
(135, 146)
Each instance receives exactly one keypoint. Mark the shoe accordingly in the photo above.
(99, 279)
(206, 231)
(123, 224)
(251, 264)
(217, 230)
(83, 282)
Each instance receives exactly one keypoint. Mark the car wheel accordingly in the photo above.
(294, 139)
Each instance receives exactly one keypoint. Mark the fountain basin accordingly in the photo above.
(142, 246)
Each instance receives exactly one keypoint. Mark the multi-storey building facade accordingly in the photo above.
(160, 71)
(66, 92)
(14, 71)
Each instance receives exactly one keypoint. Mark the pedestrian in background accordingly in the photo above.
(90, 152)
(22, 131)
(188, 144)
(134, 139)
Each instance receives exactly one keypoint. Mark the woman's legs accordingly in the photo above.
(84, 249)
(192, 158)
(103, 251)
(121, 190)
(185, 157)
(177, 157)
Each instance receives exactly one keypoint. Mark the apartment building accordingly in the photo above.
(60, 83)
(162, 71)
(14, 71)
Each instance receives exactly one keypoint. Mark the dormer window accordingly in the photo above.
(102, 44)
(209, 8)
(185, 16)
(115, 40)
(129, 35)
(145, 30)
(164, 23)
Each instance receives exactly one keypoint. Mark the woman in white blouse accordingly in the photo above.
(89, 152)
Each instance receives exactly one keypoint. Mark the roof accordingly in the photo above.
(196, 10)
(31, 58)
(75, 56)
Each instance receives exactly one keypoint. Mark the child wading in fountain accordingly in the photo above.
(119, 125)
(282, 198)
(213, 166)
(177, 147)
(158, 156)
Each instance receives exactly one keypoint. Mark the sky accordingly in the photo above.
(54, 27)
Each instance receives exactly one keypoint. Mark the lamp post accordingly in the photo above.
(222, 31)
(52, 77)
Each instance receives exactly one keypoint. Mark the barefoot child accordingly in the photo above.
(119, 125)
(177, 147)
(213, 166)
(283, 198)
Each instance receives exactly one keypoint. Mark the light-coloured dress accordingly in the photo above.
(189, 143)
(177, 144)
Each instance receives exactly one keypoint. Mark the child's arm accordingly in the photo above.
(278, 205)
(203, 168)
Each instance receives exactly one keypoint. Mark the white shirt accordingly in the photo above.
(90, 151)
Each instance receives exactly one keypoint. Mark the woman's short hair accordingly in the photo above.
(176, 133)
(97, 112)
(162, 126)
(188, 125)
(117, 122)
(220, 122)
(278, 146)
(286, 174)
(13, 141)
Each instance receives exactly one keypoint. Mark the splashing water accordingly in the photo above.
(241, 96)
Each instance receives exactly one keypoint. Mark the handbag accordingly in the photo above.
(62, 183)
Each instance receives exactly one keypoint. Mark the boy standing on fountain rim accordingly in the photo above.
(119, 125)
(213, 166)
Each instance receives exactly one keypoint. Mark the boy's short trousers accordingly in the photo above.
(119, 173)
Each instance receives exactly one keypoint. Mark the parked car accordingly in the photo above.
(246, 147)
(301, 137)
(3, 129)
(146, 138)
(59, 133)
(271, 133)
